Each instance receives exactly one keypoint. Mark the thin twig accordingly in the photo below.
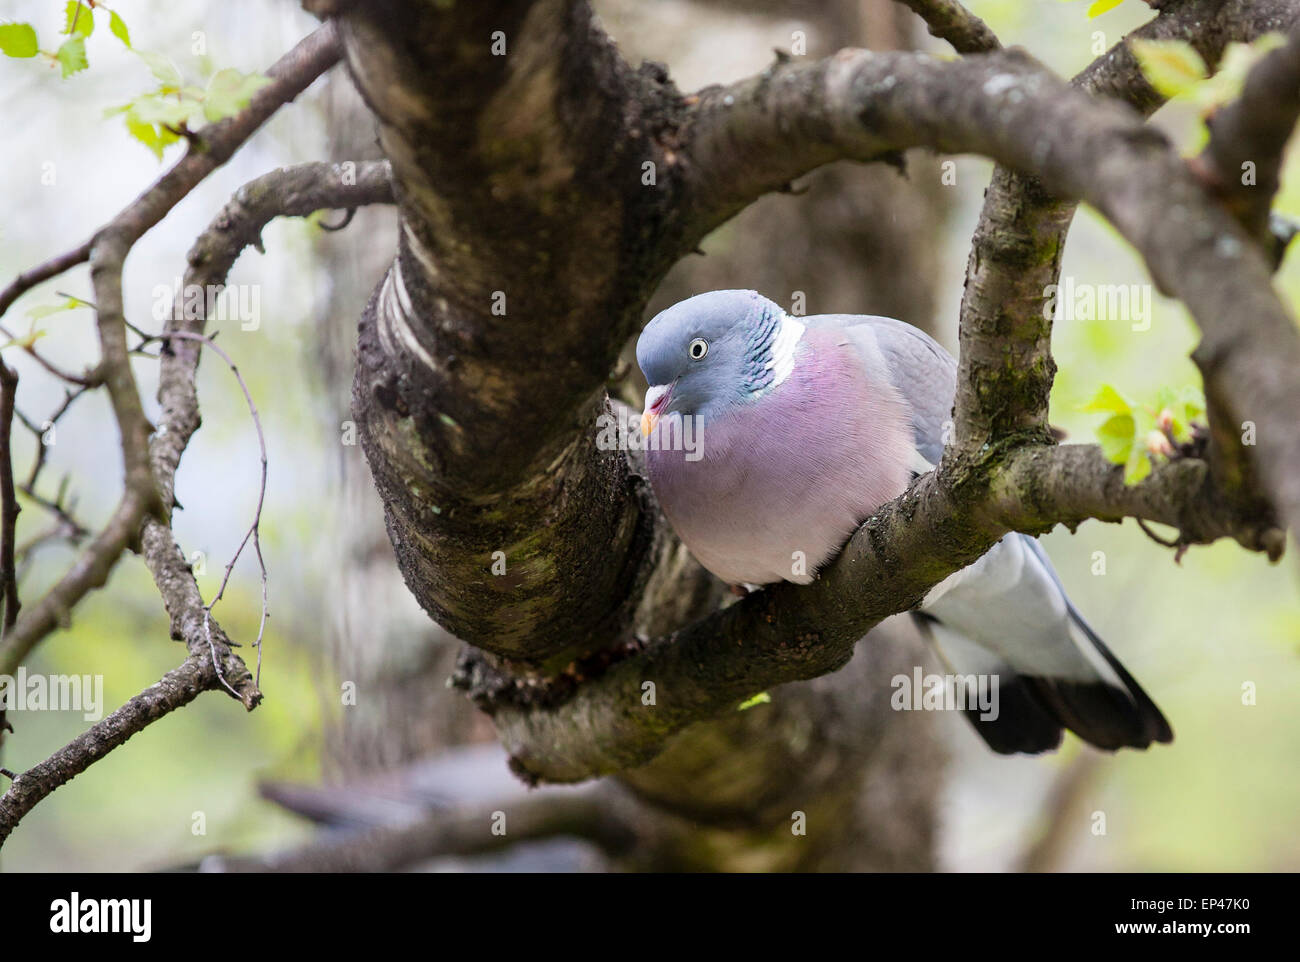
(254, 530)
(1155, 537)
(8, 499)
(290, 75)
(38, 463)
(76, 531)
(29, 279)
(177, 688)
(59, 531)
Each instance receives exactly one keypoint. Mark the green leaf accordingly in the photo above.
(229, 92)
(71, 56)
(147, 134)
(1108, 401)
(165, 110)
(45, 310)
(762, 698)
(1102, 6)
(1138, 465)
(1169, 406)
(1166, 397)
(162, 68)
(24, 340)
(118, 28)
(79, 18)
(1116, 438)
(1193, 399)
(1172, 67)
(18, 40)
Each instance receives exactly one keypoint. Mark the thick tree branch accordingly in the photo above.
(1040, 487)
(1243, 160)
(787, 633)
(480, 429)
(1241, 166)
(1018, 244)
(1006, 363)
(530, 241)
(1003, 105)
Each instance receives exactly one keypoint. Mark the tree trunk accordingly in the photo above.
(826, 776)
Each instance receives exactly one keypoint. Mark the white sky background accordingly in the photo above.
(99, 169)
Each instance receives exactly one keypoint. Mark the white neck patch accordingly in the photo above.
(788, 334)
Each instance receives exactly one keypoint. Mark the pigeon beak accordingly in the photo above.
(656, 399)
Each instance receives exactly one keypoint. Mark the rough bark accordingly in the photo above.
(723, 795)
(377, 638)
(520, 185)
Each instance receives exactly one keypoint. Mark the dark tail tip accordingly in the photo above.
(1024, 724)
(1034, 710)
(1105, 716)
(1146, 722)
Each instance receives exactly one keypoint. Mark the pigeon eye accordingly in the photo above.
(698, 348)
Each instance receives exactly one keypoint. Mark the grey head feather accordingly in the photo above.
(738, 327)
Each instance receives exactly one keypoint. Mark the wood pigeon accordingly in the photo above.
(802, 428)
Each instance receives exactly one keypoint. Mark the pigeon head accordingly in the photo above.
(711, 351)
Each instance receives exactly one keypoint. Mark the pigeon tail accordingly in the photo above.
(1034, 710)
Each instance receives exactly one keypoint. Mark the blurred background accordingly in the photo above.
(1224, 796)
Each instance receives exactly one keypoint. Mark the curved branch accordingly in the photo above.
(949, 20)
(479, 424)
(289, 192)
(785, 633)
(483, 356)
(1248, 136)
(1018, 243)
(760, 133)
(290, 75)
(211, 663)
